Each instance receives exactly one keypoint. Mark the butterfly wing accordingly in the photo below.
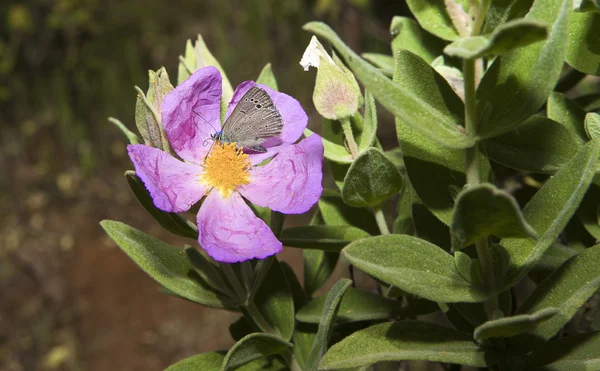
(254, 119)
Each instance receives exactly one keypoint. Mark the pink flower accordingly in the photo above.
(227, 228)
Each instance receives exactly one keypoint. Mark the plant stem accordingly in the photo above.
(233, 280)
(380, 219)
(347, 128)
(471, 163)
(289, 358)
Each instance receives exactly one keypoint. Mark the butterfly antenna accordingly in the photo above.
(199, 115)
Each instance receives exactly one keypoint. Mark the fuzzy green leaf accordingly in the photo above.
(336, 213)
(540, 145)
(371, 179)
(572, 353)
(330, 309)
(549, 211)
(172, 222)
(318, 267)
(406, 340)
(165, 264)
(589, 209)
(511, 35)
(251, 347)
(502, 11)
(484, 210)
(413, 265)
(321, 237)
(567, 289)
(148, 109)
(408, 35)
(592, 125)
(567, 113)
(369, 133)
(333, 151)
(511, 326)
(433, 17)
(583, 53)
(430, 117)
(275, 302)
(356, 305)
(382, 61)
(267, 77)
(519, 82)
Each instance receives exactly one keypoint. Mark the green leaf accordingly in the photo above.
(511, 326)
(371, 179)
(382, 61)
(511, 35)
(172, 222)
(592, 125)
(549, 211)
(336, 213)
(131, 136)
(404, 222)
(187, 63)
(406, 340)
(502, 11)
(208, 271)
(330, 310)
(540, 145)
(586, 6)
(567, 289)
(321, 237)
(568, 114)
(413, 265)
(583, 53)
(435, 172)
(573, 353)
(333, 151)
(589, 208)
(369, 134)
(430, 117)
(165, 264)
(267, 78)
(468, 268)
(274, 300)
(318, 267)
(554, 257)
(433, 17)
(484, 210)
(251, 347)
(407, 35)
(356, 305)
(206, 361)
(519, 82)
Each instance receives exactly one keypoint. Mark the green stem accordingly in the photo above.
(347, 128)
(471, 165)
(291, 361)
(277, 221)
(380, 219)
(480, 18)
(487, 269)
(233, 280)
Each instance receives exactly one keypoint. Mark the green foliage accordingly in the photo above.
(406, 340)
(485, 210)
(413, 265)
(494, 161)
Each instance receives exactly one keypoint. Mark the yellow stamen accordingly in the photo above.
(226, 167)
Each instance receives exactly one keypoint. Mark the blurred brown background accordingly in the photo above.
(69, 298)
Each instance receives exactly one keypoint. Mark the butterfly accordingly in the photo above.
(253, 120)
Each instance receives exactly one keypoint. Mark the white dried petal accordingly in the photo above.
(313, 54)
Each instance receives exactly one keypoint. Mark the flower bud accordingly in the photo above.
(337, 94)
(148, 109)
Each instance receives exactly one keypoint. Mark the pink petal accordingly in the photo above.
(291, 182)
(187, 131)
(173, 185)
(257, 158)
(230, 232)
(294, 117)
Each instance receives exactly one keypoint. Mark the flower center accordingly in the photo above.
(225, 168)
